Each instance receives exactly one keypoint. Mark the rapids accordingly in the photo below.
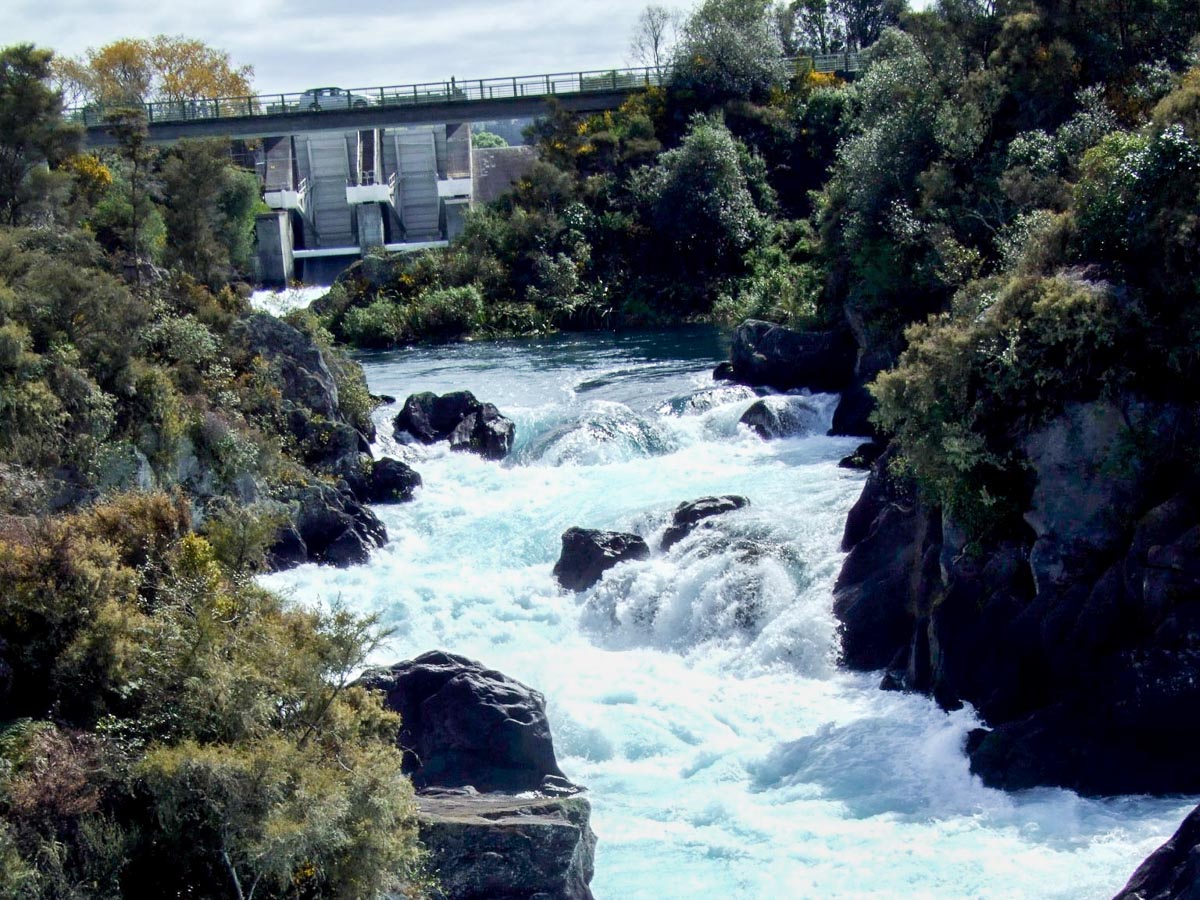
(696, 693)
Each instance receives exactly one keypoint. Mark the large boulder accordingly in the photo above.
(770, 355)
(327, 526)
(499, 847)
(464, 724)
(689, 515)
(587, 554)
(392, 481)
(1172, 872)
(459, 418)
(383, 480)
(783, 416)
(303, 372)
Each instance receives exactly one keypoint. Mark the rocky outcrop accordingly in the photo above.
(688, 516)
(464, 724)
(328, 526)
(305, 377)
(1076, 635)
(783, 416)
(1172, 872)
(459, 418)
(587, 554)
(499, 847)
(383, 480)
(770, 355)
(499, 818)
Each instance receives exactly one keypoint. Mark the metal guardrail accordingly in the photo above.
(452, 91)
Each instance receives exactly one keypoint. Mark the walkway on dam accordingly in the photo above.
(335, 109)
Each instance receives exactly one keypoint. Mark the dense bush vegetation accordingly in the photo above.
(167, 728)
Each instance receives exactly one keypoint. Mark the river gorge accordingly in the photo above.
(696, 694)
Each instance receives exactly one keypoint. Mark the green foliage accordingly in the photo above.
(32, 132)
(485, 139)
(728, 49)
(699, 200)
(209, 212)
(146, 665)
(1007, 359)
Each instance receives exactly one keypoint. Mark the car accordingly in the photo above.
(315, 99)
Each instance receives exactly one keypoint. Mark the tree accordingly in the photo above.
(811, 26)
(864, 20)
(700, 203)
(654, 37)
(33, 134)
(165, 69)
(730, 50)
(128, 127)
(209, 211)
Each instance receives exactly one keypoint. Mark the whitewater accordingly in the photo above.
(696, 694)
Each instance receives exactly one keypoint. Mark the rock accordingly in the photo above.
(383, 480)
(332, 527)
(688, 515)
(1172, 872)
(463, 724)
(498, 847)
(852, 418)
(777, 357)
(1087, 486)
(1132, 729)
(724, 372)
(304, 374)
(782, 416)
(872, 596)
(392, 482)
(587, 554)
(459, 418)
(863, 457)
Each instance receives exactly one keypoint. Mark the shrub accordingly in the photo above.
(1008, 359)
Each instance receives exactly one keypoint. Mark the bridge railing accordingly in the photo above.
(452, 91)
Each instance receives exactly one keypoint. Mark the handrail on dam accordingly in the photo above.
(406, 95)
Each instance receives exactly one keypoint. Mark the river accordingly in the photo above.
(696, 694)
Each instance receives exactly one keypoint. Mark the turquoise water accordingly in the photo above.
(696, 693)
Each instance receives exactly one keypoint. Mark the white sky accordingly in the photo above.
(352, 43)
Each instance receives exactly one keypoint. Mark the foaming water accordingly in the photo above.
(696, 693)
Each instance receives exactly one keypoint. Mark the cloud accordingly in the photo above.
(301, 43)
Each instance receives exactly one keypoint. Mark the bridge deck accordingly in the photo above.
(319, 109)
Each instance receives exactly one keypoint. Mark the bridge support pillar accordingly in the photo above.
(370, 225)
(273, 233)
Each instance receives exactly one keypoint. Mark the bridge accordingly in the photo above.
(430, 103)
(347, 171)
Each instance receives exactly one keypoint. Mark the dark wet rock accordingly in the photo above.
(383, 480)
(1074, 633)
(392, 481)
(328, 526)
(773, 356)
(304, 374)
(1172, 872)
(1133, 729)
(459, 418)
(688, 515)
(464, 724)
(724, 372)
(863, 457)
(782, 416)
(499, 847)
(852, 418)
(587, 554)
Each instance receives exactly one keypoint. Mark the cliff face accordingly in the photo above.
(1077, 639)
